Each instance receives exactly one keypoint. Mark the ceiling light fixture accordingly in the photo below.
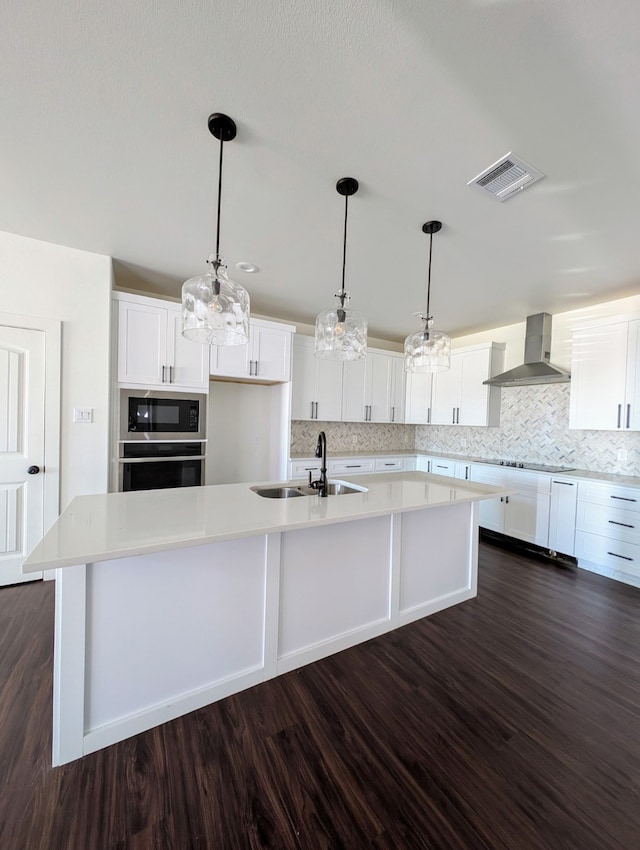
(215, 310)
(341, 333)
(427, 350)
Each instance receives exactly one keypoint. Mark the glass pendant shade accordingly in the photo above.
(427, 350)
(215, 310)
(341, 333)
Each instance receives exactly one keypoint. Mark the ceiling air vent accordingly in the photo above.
(506, 177)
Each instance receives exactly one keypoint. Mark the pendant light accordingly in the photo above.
(215, 310)
(428, 350)
(341, 333)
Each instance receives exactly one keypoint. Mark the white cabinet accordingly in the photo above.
(151, 349)
(316, 388)
(390, 464)
(459, 396)
(608, 530)
(367, 388)
(418, 398)
(441, 466)
(398, 387)
(524, 515)
(302, 468)
(351, 466)
(562, 515)
(266, 358)
(605, 377)
(423, 464)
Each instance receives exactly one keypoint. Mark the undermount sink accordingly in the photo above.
(278, 492)
(289, 491)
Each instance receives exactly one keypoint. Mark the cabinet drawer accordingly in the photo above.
(351, 467)
(389, 464)
(609, 521)
(301, 468)
(610, 494)
(439, 466)
(615, 554)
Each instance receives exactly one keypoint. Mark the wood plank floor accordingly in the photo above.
(511, 721)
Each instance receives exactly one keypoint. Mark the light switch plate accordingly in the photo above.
(83, 414)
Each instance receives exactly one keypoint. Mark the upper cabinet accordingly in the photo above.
(265, 359)
(459, 396)
(605, 377)
(418, 398)
(369, 388)
(151, 349)
(316, 384)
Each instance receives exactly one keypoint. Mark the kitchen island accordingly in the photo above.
(168, 600)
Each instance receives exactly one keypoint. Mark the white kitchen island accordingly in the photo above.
(167, 600)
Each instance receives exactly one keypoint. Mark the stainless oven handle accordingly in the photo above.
(159, 459)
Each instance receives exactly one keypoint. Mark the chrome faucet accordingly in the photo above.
(321, 451)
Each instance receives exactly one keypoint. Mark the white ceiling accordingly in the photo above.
(104, 146)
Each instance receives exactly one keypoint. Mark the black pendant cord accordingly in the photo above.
(344, 250)
(219, 202)
(429, 276)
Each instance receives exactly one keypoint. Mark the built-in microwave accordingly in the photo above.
(156, 415)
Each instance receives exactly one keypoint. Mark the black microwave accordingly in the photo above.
(150, 415)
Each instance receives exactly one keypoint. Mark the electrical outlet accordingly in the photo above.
(463, 442)
(354, 439)
(83, 414)
(623, 456)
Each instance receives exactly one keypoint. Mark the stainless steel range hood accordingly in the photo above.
(536, 368)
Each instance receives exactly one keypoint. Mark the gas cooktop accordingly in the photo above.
(534, 467)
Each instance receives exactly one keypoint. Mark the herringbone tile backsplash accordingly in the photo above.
(534, 427)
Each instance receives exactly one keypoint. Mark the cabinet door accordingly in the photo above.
(378, 386)
(142, 343)
(598, 377)
(562, 516)
(445, 398)
(354, 391)
(303, 381)
(188, 361)
(397, 388)
(463, 470)
(418, 398)
(632, 387)
(527, 517)
(271, 353)
(230, 361)
(474, 396)
(328, 390)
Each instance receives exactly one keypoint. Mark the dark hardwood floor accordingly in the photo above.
(510, 721)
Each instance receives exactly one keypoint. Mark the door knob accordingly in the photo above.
(33, 470)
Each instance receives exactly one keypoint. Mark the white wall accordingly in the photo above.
(45, 280)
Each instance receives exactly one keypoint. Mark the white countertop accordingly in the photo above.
(118, 525)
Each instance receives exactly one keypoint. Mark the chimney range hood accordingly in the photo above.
(536, 368)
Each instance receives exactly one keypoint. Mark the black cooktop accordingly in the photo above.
(534, 467)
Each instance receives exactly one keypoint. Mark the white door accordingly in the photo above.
(445, 398)
(272, 353)
(22, 364)
(598, 374)
(188, 361)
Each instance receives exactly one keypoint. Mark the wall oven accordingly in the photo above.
(162, 440)
(147, 415)
(154, 466)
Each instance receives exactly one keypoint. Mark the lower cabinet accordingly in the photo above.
(608, 530)
(525, 515)
(346, 466)
(562, 516)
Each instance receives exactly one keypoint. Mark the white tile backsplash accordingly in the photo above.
(534, 427)
(352, 437)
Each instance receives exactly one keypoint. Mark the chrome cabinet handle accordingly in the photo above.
(428, 416)
(311, 415)
(628, 416)
(619, 414)
(316, 404)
